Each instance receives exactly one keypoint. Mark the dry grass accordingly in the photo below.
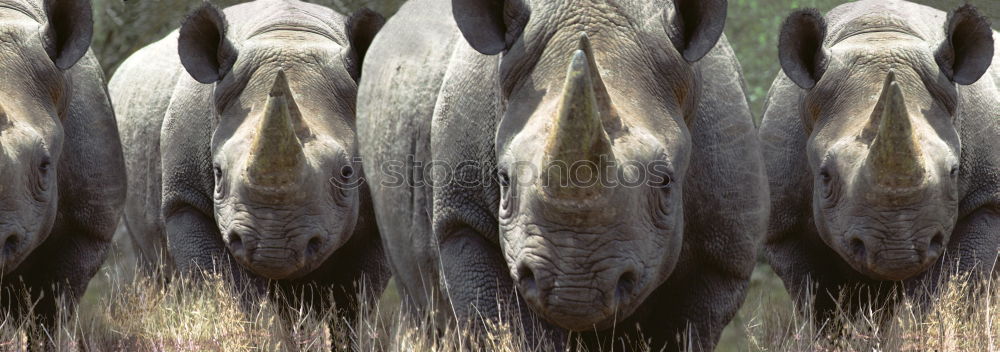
(140, 314)
(125, 312)
(963, 317)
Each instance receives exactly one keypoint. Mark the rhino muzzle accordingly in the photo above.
(277, 257)
(580, 301)
(886, 256)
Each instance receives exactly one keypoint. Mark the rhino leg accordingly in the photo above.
(973, 250)
(353, 278)
(56, 274)
(975, 243)
(478, 286)
(197, 248)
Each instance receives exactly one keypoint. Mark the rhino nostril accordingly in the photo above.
(526, 278)
(313, 246)
(235, 242)
(11, 243)
(937, 243)
(857, 246)
(626, 283)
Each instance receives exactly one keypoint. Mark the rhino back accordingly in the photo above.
(410, 55)
(91, 169)
(790, 231)
(251, 18)
(141, 90)
(726, 175)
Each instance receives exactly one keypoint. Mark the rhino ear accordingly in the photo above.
(361, 30)
(696, 26)
(68, 31)
(967, 50)
(205, 52)
(800, 47)
(490, 26)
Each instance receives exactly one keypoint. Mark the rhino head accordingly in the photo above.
(284, 150)
(882, 109)
(593, 144)
(36, 47)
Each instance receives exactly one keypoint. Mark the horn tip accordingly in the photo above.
(890, 78)
(584, 41)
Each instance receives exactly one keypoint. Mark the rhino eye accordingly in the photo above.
(824, 175)
(44, 166)
(954, 171)
(217, 172)
(505, 193)
(503, 178)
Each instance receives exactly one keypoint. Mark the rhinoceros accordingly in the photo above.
(471, 159)
(62, 175)
(879, 138)
(238, 131)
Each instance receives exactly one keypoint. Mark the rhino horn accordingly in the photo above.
(608, 114)
(276, 153)
(578, 138)
(895, 155)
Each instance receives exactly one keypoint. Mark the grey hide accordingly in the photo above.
(62, 176)
(239, 138)
(880, 138)
(445, 125)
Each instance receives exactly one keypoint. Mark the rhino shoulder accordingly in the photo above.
(140, 91)
(185, 148)
(726, 173)
(397, 95)
(979, 124)
(91, 169)
(724, 136)
(783, 139)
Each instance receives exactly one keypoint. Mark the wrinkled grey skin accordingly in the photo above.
(881, 151)
(241, 151)
(62, 176)
(571, 84)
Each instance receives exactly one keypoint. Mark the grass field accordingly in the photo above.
(121, 312)
(141, 314)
